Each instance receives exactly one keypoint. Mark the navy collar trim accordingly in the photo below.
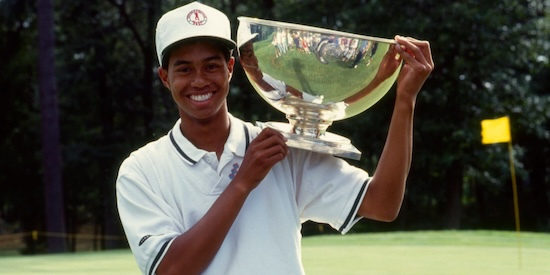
(182, 153)
(192, 161)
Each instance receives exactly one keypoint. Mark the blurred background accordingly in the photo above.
(70, 113)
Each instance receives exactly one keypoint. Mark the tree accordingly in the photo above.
(51, 151)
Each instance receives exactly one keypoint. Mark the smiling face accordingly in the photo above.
(198, 77)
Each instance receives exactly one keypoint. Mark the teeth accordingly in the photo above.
(201, 97)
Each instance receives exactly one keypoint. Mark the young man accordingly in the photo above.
(217, 195)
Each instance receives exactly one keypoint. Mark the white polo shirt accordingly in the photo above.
(165, 187)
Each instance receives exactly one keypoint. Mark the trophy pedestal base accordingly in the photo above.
(328, 143)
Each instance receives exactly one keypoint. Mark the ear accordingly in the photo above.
(231, 66)
(163, 75)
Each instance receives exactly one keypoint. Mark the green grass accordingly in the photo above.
(429, 252)
(118, 262)
(423, 252)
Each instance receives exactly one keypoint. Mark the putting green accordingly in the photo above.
(422, 252)
(429, 252)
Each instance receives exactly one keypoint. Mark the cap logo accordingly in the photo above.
(196, 18)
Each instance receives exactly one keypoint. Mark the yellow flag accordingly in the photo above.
(495, 130)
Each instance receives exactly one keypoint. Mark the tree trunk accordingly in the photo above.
(51, 154)
(540, 213)
(454, 196)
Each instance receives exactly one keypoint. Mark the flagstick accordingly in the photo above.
(516, 204)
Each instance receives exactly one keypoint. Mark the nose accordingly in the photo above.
(200, 80)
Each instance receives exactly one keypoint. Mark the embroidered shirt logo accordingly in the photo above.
(196, 18)
(234, 170)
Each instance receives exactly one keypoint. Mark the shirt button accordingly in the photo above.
(208, 160)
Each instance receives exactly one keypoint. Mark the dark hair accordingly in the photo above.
(222, 47)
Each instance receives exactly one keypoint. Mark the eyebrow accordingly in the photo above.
(185, 62)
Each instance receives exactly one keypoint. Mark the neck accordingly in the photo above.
(209, 135)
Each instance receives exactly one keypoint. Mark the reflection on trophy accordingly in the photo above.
(315, 76)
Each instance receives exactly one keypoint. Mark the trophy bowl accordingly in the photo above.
(315, 76)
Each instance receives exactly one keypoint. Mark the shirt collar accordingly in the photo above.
(238, 139)
(236, 143)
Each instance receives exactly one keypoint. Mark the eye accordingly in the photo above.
(212, 67)
(183, 69)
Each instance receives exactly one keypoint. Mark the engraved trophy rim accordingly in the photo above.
(288, 25)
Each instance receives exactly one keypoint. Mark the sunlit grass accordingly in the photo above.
(429, 252)
(423, 252)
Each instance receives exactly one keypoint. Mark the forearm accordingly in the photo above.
(397, 153)
(192, 252)
(387, 187)
(385, 194)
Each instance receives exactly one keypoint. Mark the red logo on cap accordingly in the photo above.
(196, 18)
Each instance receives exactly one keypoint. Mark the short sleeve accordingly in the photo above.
(329, 190)
(149, 223)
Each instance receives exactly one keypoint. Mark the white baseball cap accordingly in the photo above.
(244, 34)
(194, 20)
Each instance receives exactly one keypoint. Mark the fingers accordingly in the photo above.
(270, 138)
(408, 50)
(417, 67)
(274, 142)
(269, 147)
(414, 50)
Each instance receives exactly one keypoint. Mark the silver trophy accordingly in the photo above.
(315, 76)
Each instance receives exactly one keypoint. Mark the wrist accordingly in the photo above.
(240, 187)
(405, 101)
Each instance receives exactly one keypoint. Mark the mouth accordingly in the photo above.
(201, 98)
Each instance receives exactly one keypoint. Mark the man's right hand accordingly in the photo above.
(263, 153)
